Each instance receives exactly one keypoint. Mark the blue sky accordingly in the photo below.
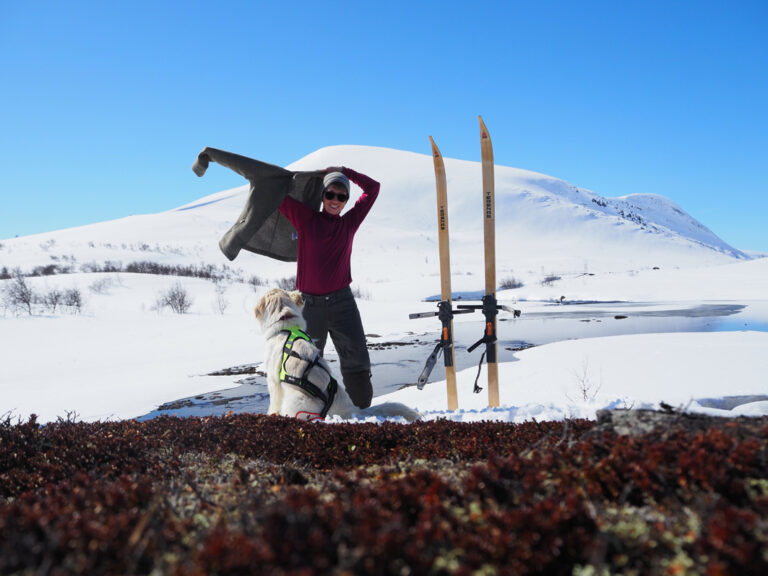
(104, 105)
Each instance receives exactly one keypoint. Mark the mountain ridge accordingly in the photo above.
(542, 222)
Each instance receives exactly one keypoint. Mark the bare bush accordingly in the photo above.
(287, 283)
(360, 294)
(18, 294)
(510, 283)
(52, 299)
(255, 282)
(107, 266)
(103, 285)
(588, 389)
(50, 270)
(176, 298)
(100, 286)
(221, 303)
(73, 300)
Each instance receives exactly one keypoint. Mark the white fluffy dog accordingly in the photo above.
(300, 381)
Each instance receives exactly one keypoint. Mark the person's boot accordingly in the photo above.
(359, 387)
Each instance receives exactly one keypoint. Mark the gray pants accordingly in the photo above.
(337, 314)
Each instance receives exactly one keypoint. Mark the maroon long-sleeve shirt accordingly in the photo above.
(325, 241)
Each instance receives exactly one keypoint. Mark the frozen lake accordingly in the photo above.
(398, 362)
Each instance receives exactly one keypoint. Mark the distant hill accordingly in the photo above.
(544, 226)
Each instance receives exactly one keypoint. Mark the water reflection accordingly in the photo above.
(553, 323)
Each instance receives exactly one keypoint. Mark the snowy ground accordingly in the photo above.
(702, 372)
(653, 306)
(120, 358)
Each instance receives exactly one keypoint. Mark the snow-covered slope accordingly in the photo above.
(122, 356)
(544, 226)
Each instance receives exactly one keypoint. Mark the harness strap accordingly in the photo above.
(302, 381)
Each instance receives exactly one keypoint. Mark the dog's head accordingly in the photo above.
(279, 306)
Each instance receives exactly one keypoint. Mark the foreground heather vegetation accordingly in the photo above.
(256, 494)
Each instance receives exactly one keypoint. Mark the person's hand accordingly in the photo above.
(333, 169)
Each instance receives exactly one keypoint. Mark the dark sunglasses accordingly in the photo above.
(331, 195)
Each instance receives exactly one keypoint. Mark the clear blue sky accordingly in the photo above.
(105, 104)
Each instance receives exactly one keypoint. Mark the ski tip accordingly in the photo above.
(483, 129)
(435, 150)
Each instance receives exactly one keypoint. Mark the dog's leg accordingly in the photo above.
(275, 396)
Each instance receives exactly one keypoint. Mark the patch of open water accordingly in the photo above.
(596, 319)
(399, 363)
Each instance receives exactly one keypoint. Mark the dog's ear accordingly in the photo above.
(258, 310)
(263, 304)
(297, 298)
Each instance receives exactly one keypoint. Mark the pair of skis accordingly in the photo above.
(489, 305)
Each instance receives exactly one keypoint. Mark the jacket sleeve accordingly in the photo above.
(250, 169)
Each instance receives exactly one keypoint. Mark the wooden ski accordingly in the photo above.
(490, 308)
(446, 312)
(446, 317)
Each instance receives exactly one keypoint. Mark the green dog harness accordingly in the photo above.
(303, 381)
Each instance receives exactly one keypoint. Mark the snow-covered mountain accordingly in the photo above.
(638, 258)
(544, 226)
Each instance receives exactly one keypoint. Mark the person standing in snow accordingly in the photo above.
(323, 273)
